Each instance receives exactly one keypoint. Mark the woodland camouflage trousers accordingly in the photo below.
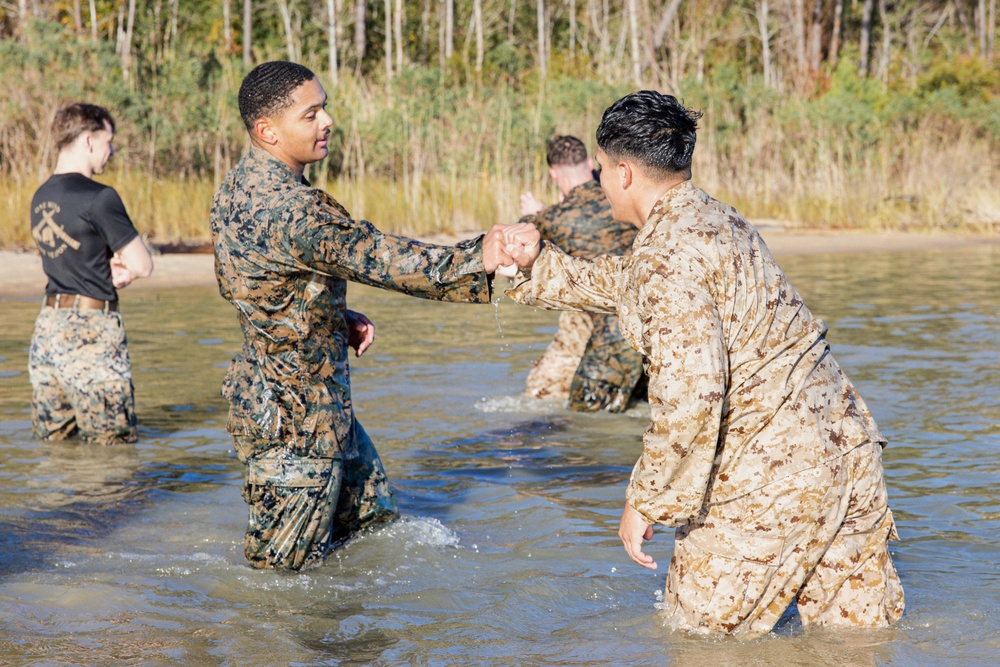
(81, 378)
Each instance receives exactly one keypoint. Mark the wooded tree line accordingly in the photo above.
(827, 111)
(790, 43)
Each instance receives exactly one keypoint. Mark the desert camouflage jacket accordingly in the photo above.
(283, 254)
(743, 389)
(582, 226)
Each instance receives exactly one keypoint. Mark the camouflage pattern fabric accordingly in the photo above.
(743, 388)
(604, 372)
(81, 378)
(821, 535)
(552, 373)
(301, 508)
(284, 252)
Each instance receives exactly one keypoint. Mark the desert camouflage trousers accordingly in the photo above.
(821, 535)
(81, 377)
(588, 364)
(300, 508)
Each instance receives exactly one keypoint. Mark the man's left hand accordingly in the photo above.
(121, 277)
(360, 332)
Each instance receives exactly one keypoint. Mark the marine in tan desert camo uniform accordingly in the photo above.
(588, 362)
(759, 450)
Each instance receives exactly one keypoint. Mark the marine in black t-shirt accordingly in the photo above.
(78, 225)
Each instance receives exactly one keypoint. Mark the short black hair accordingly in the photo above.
(268, 88)
(654, 130)
(565, 150)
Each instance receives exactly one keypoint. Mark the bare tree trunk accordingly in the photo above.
(22, 18)
(93, 21)
(765, 39)
(127, 42)
(572, 30)
(388, 39)
(397, 27)
(981, 31)
(286, 20)
(77, 18)
(477, 13)
(992, 36)
(816, 37)
(664, 23)
(227, 26)
(173, 25)
(449, 28)
(633, 24)
(883, 68)
(838, 15)
(511, 20)
(543, 67)
(247, 19)
(864, 43)
(359, 32)
(799, 31)
(331, 41)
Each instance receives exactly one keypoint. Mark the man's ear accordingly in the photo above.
(553, 174)
(625, 175)
(264, 131)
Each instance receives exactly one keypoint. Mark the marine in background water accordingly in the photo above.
(81, 376)
(284, 252)
(588, 363)
(759, 451)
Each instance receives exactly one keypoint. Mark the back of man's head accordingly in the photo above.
(267, 89)
(653, 130)
(566, 151)
(73, 120)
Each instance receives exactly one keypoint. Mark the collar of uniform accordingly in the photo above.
(274, 166)
(581, 189)
(665, 206)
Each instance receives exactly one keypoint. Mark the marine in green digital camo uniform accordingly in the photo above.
(588, 362)
(283, 254)
(759, 450)
(78, 363)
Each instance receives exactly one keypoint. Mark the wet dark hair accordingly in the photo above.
(73, 120)
(565, 150)
(268, 89)
(654, 130)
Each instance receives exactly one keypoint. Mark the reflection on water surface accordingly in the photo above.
(507, 551)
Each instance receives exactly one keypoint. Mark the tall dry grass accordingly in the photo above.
(927, 179)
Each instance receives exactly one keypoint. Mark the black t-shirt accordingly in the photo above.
(78, 224)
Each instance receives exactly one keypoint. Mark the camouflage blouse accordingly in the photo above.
(284, 252)
(743, 388)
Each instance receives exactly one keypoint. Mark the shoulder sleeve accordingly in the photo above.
(325, 239)
(108, 215)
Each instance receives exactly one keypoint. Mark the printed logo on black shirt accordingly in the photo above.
(50, 236)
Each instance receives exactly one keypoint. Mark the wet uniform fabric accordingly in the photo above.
(588, 362)
(78, 362)
(759, 449)
(284, 252)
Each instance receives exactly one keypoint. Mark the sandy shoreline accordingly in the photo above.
(21, 273)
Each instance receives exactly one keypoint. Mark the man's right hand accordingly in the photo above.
(523, 243)
(530, 205)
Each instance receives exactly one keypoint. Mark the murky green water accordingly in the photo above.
(507, 554)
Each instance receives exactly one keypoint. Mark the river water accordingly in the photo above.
(507, 551)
